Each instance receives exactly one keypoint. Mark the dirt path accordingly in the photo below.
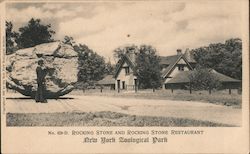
(165, 108)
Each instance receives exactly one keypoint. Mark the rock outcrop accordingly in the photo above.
(60, 58)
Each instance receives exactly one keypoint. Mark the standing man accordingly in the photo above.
(41, 72)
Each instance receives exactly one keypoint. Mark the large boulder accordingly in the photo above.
(60, 80)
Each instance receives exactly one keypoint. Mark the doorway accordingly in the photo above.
(123, 85)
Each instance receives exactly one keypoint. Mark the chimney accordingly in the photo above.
(179, 52)
(187, 54)
(131, 54)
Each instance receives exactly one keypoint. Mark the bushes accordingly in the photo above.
(203, 79)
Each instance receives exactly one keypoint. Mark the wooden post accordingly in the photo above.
(101, 89)
(118, 86)
(209, 91)
(135, 82)
(239, 91)
(190, 88)
(229, 91)
(83, 90)
(172, 90)
(153, 89)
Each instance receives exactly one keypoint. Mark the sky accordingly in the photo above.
(106, 25)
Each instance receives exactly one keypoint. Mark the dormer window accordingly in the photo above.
(126, 70)
(181, 67)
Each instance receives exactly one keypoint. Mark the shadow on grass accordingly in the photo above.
(104, 118)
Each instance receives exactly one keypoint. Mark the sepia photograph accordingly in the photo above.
(124, 64)
(127, 76)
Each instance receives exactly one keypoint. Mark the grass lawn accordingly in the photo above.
(217, 97)
(101, 119)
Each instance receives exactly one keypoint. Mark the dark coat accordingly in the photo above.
(40, 94)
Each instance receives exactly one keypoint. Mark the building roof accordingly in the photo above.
(127, 59)
(189, 56)
(107, 80)
(171, 61)
(224, 78)
(168, 59)
(183, 77)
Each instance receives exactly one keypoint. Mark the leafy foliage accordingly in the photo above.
(225, 58)
(10, 38)
(69, 40)
(34, 33)
(147, 64)
(109, 68)
(120, 51)
(148, 67)
(203, 79)
(91, 65)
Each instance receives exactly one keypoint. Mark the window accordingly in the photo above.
(126, 70)
(181, 68)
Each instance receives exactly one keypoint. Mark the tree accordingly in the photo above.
(148, 67)
(69, 40)
(91, 65)
(109, 68)
(120, 51)
(203, 79)
(225, 57)
(10, 38)
(34, 33)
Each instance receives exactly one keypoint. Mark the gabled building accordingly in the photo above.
(175, 72)
(181, 80)
(124, 73)
(171, 66)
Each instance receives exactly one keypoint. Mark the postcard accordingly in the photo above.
(125, 76)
